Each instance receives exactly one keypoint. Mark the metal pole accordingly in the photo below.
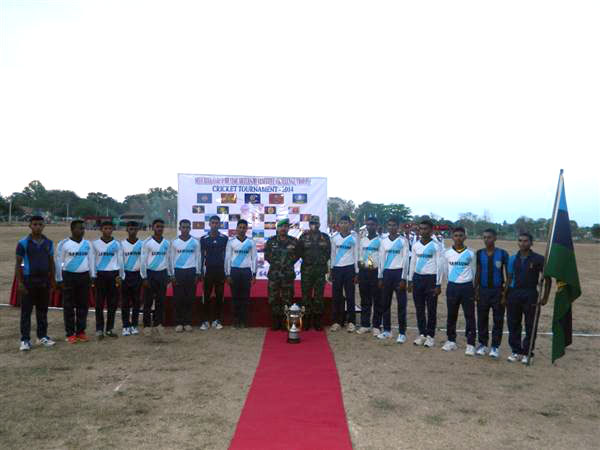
(10, 211)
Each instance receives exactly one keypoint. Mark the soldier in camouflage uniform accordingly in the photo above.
(281, 252)
(315, 251)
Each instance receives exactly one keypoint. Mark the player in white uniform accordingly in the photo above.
(132, 280)
(185, 260)
(424, 280)
(156, 271)
(344, 271)
(240, 270)
(368, 283)
(460, 266)
(108, 260)
(74, 271)
(393, 272)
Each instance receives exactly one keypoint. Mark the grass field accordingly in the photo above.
(187, 390)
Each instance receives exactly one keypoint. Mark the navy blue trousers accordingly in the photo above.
(370, 298)
(184, 293)
(241, 281)
(342, 283)
(489, 298)
(520, 303)
(391, 283)
(155, 295)
(425, 303)
(457, 295)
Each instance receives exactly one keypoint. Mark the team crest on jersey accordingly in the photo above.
(499, 264)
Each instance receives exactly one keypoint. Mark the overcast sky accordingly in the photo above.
(445, 106)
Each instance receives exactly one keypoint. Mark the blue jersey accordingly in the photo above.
(37, 256)
(490, 267)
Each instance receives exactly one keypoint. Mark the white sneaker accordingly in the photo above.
(187, 328)
(401, 339)
(470, 350)
(514, 357)
(25, 346)
(481, 350)
(375, 332)
(205, 326)
(351, 328)
(216, 324)
(384, 335)
(525, 360)
(429, 342)
(134, 330)
(420, 340)
(362, 330)
(126, 331)
(46, 341)
(335, 327)
(495, 352)
(449, 346)
(178, 328)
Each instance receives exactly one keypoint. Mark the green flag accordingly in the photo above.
(562, 266)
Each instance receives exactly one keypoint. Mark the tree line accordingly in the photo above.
(158, 202)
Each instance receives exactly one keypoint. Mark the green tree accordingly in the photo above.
(596, 230)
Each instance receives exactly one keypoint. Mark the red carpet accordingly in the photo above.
(295, 400)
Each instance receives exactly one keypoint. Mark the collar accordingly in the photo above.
(458, 251)
(42, 237)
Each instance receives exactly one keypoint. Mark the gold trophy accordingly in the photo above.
(370, 263)
(294, 316)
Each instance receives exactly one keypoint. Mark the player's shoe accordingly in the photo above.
(514, 357)
(481, 350)
(187, 328)
(495, 352)
(429, 342)
(205, 326)
(217, 325)
(99, 334)
(111, 334)
(362, 330)
(401, 339)
(385, 335)
(72, 339)
(335, 327)
(82, 337)
(134, 331)
(126, 331)
(179, 329)
(526, 360)
(25, 346)
(449, 346)
(420, 340)
(160, 329)
(351, 328)
(470, 350)
(46, 341)
(375, 331)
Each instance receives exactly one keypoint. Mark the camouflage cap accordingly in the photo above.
(283, 222)
(314, 219)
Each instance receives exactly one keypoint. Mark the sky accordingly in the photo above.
(447, 107)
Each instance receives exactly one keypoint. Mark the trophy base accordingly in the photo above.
(293, 341)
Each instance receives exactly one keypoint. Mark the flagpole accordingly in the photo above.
(542, 282)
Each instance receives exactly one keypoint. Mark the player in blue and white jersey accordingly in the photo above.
(368, 283)
(75, 268)
(460, 266)
(185, 260)
(108, 260)
(424, 280)
(156, 272)
(240, 270)
(132, 281)
(344, 274)
(393, 271)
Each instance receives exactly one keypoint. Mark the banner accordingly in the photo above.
(262, 201)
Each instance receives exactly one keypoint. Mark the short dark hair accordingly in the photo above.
(75, 223)
(155, 221)
(36, 218)
(132, 223)
(242, 222)
(459, 228)
(106, 223)
(491, 231)
(182, 221)
(373, 219)
(346, 218)
(427, 222)
(394, 219)
(217, 218)
(526, 234)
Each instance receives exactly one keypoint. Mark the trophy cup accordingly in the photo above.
(293, 316)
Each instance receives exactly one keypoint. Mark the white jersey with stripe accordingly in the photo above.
(76, 257)
(393, 254)
(240, 254)
(369, 249)
(426, 259)
(460, 267)
(108, 256)
(344, 250)
(155, 256)
(185, 254)
(132, 255)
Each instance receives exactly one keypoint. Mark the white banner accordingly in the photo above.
(262, 201)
